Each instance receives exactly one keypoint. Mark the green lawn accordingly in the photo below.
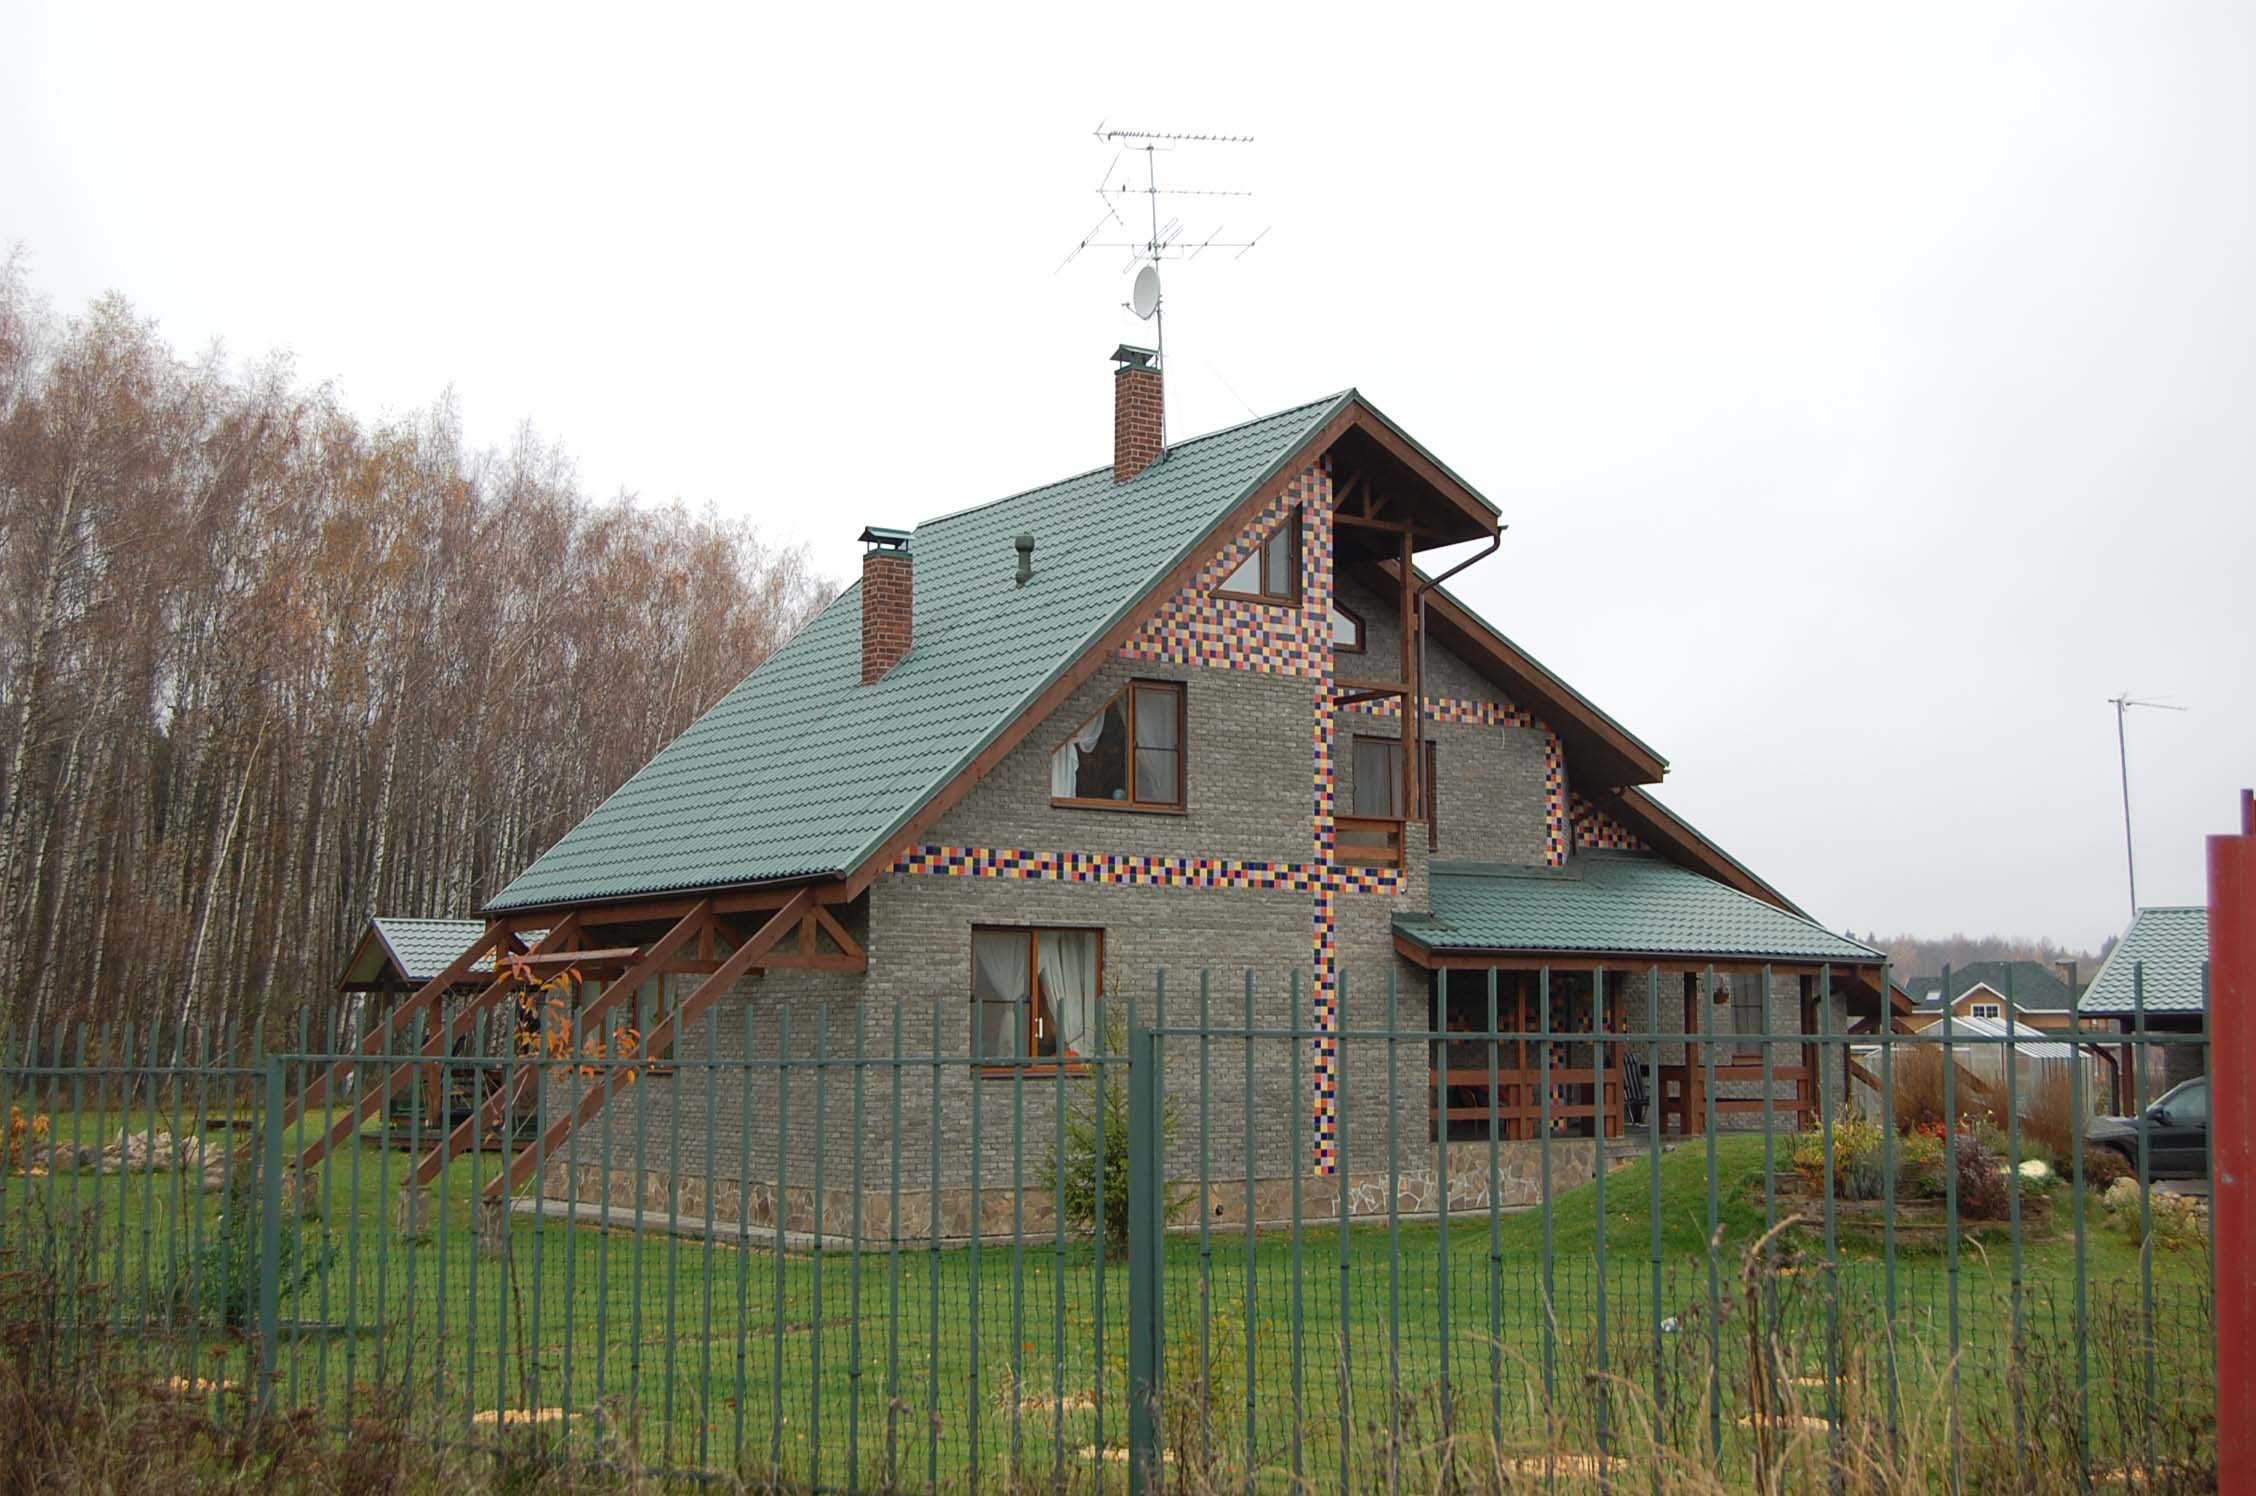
(922, 1365)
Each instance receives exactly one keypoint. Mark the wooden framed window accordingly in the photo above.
(1377, 767)
(1749, 1015)
(1347, 630)
(1129, 756)
(1272, 573)
(1034, 994)
(1985, 1010)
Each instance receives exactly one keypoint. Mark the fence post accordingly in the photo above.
(1146, 1222)
(2232, 1070)
(270, 1237)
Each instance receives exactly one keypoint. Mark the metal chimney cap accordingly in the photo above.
(880, 535)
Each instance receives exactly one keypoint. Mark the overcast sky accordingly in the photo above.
(1869, 397)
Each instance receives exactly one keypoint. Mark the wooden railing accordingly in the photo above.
(1687, 1106)
(1461, 1094)
(1368, 841)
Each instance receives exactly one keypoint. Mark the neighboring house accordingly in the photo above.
(1150, 718)
(2028, 992)
(2156, 979)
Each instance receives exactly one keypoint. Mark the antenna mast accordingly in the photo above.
(2122, 704)
(1163, 240)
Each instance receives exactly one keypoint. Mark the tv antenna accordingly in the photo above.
(1164, 239)
(2123, 705)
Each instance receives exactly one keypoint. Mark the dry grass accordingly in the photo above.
(1919, 1090)
(2049, 1117)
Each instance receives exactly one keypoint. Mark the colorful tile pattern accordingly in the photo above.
(1594, 828)
(1129, 870)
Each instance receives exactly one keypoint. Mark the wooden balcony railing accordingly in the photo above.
(1368, 841)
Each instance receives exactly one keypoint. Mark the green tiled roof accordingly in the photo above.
(1614, 902)
(2164, 949)
(801, 771)
(422, 948)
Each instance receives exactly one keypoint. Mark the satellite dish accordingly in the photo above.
(1144, 300)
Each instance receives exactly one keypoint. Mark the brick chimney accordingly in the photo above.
(1137, 412)
(888, 601)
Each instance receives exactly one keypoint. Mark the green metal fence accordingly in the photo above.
(860, 1258)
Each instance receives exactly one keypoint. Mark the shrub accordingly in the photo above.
(1096, 1122)
(1919, 1163)
(217, 1281)
(1983, 1192)
(21, 1141)
(1856, 1160)
(2103, 1166)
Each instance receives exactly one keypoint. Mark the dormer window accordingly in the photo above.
(1129, 756)
(1272, 573)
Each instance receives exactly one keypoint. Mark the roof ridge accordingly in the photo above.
(1165, 452)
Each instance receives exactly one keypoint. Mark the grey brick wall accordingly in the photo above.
(1248, 792)
(1249, 750)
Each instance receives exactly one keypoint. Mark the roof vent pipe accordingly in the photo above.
(1025, 546)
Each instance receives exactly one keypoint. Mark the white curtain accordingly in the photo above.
(1069, 977)
(998, 981)
(1065, 764)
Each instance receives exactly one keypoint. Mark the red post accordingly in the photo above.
(2232, 1141)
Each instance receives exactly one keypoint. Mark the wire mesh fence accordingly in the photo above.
(1516, 1240)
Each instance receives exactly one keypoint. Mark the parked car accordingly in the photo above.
(2176, 1128)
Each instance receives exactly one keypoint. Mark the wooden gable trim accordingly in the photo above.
(1411, 456)
(1531, 684)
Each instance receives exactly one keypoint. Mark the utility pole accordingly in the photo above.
(2122, 705)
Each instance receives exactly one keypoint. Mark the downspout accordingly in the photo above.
(1418, 708)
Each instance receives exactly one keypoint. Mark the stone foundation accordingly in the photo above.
(727, 1206)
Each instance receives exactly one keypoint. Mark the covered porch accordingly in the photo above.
(1621, 990)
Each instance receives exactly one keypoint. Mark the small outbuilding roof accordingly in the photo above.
(2029, 1043)
(2161, 958)
(399, 948)
(1612, 902)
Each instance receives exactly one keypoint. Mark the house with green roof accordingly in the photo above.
(1143, 736)
(2025, 992)
(2156, 981)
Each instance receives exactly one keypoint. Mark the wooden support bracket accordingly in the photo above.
(660, 1041)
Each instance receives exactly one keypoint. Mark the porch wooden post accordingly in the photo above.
(1806, 1090)
(1413, 699)
(1618, 1118)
